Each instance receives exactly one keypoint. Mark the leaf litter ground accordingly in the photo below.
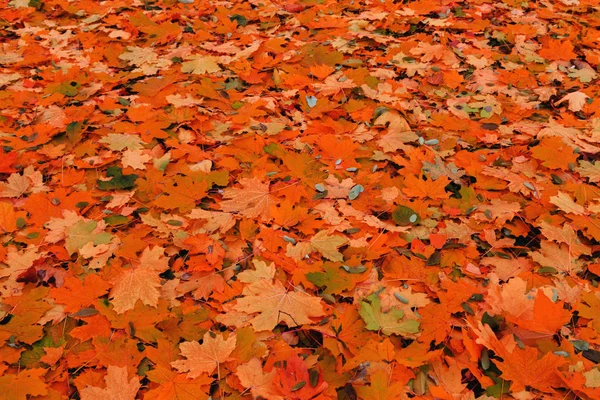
(299, 200)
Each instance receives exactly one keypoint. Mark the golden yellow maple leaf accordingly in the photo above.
(273, 303)
(261, 271)
(323, 243)
(141, 282)
(205, 357)
(118, 386)
(566, 204)
(200, 65)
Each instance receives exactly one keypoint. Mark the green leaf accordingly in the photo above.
(74, 132)
(69, 89)
(298, 386)
(355, 192)
(118, 181)
(359, 269)
(81, 233)
(115, 220)
(334, 279)
(404, 216)
(388, 323)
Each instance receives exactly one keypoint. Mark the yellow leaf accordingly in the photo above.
(141, 282)
(576, 100)
(322, 243)
(572, 136)
(589, 170)
(566, 204)
(592, 378)
(274, 304)
(118, 386)
(328, 245)
(135, 159)
(205, 357)
(398, 132)
(200, 65)
(261, 271)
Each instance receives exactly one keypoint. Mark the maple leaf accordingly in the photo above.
(449, 379)
(214, 220)
(122, 141)
(382, 388)
(557, 50)
(571, 136)
(557, 256)
(198, 169)
(415, 187)
(564, 234)
(135, 159)
(182, 192)
(31, 181)
(24, 384)
(253, 200)
(566, 204)
(118, 386)
(205, 357)
(26, 313)
(79, 293)
(387, 323)
(398, 134)
(261, 271)
(548, 317)
(295, 382)
(82, 233)
(335, 279)
(435, 323)
(140, 282)
(17, 262)
(177, 386)
(547, 149)
(261, 384)
(576, 100)
(199, 65)
(589, 170)
(8, 218)
(323, 243)
(334, 84)
(523, 368)
(145, 58)
(592, 378)
(274, 304)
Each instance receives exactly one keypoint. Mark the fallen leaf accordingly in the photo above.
(206, 357)
(118, 386)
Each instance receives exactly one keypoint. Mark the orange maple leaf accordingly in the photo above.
(523, 368)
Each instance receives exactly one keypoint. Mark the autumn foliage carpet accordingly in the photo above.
(299, 200)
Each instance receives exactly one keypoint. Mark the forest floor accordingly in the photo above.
(299, 200)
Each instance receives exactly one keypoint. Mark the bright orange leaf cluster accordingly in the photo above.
(299, 199)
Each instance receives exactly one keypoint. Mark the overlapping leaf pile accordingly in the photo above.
(312, 200)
